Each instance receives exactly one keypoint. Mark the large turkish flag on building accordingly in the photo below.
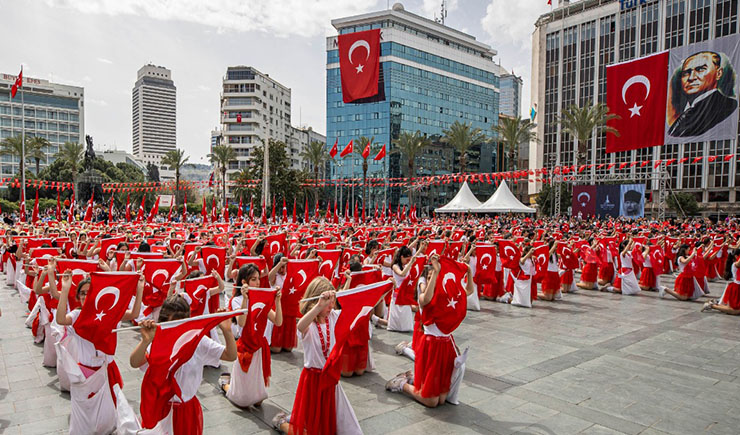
(636, 92)
(584, 200)
(359, 64)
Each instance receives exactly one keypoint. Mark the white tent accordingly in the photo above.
(464, 201)
(503, 201)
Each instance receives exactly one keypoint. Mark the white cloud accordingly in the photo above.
(104, 60)
(278, 17)
(513, 21)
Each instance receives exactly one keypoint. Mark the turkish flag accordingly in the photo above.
(298, 275)
(386, 255)
(274, 243)
(657, 258)
(380, 154)
(70, 212)
(584, 200)
(407, 290)
(366, 151)
(214, 215)
(449, 304)
(567, 258)
(359, 64)
(240, 211)
(59, 206)
(154, 211)
(347, 150)
(159, 272)
(261, 301)
(357, 306)
(636, 92)
(485, 268)
(510, 254)
(541, 256)
(365, 277)
(107, 300)
(238, 117)
(109, 245)
(334, 149)
(174, 344)
(140, 215)
(435, 247)
(261, 264)
(588, 255)
(17, 84)
(330, 259)
(89, 209)
(203, 212)
(214, 258)
(197, 290)
(35, 214)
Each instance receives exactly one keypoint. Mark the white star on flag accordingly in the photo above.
(359, 68)
(99, 316)
(451, 303)
(635, 110)
(292, 290)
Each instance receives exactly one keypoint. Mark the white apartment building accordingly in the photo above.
(298, 142)
(52, 111)
(154, 115)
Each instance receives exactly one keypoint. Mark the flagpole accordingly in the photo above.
(23, 143)
(174, 322)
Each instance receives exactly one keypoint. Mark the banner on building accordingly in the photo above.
(703, 91)
(688, 94)
(608, 200)
(359, 64)
(584, 201)
(632, 200)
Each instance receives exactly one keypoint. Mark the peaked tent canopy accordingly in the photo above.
(503, 201)
(464, 201)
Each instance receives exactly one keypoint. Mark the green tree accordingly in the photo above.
(410, 145)
(462, 136)
(315, 154)
(363, 142)
(36, 150)
(285, 183)
(512, 132)
(545, 198)
(175, 159)
(220, 156)
(683, 203)
(581, 122)
(13, 146)
(73, 153)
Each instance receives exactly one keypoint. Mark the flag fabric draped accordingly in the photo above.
(347, 149)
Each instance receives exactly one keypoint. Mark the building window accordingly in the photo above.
(552, 57)
(675, 19)
(587, 67)
(570, 37)
(699, 20)
(606, 52)
(726, 18)
(719, 170)
(692, 172)
(649, 28)
(627, 34)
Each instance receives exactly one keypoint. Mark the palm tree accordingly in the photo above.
(363, 142)
(220, 156)
(73, 153)
(411, 145)
(13, 147)
(175, 159)
(462, 136)
(581, 122)
(36, 149)
(514, 131)
(315, 154)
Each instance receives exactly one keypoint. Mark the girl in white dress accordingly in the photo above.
(523, 279)
(318, 410)
(401, 317)
(626, 282)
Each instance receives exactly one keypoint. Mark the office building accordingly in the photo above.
(254, 109)
(431, 75)
(572, 47)
(53, 111)
(510, 102)
(154, 116)
(297, 143)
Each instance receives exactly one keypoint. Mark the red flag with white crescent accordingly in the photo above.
(197, 290)
(35, 214)
(359, 64)
(298, 275)
(449, 304)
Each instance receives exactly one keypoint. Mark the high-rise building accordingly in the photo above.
(154, 115)
(254, 109)
(297, 143)
(431, 76)
(510, 102)
(571, 48)
(52, 111)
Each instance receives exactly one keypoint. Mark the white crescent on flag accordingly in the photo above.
(208, 259)
(506, 252)
(182, 340)
(356, 44)
(363, 312)
(108, 290)
(302, 273)
(161, 272)
(198, 290)
(331, 266)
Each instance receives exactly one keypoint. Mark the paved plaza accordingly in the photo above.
(593, 363)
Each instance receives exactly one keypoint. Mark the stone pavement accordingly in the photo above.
(593, 363)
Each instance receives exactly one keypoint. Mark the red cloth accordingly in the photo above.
(551, 282)
(684, 285)
(284, 336)
(314, 408)
(566, 278)
(187, 417)
(731, 296)
(590, 272)
(435, 360)
(647, 278)
(354, 358)
(606, 272)
(359, 64)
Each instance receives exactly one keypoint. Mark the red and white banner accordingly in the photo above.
(359, 64)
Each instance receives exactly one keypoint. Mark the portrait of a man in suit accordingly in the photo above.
(697, 99)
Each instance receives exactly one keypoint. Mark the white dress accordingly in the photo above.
(630, 285)
(400, 317)
(245, 388)
(473, 301)
(313, 357)
(523, 287)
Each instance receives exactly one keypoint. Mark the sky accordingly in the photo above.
(101, 44)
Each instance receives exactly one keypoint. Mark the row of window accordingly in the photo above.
(38, 113)
(39, 125)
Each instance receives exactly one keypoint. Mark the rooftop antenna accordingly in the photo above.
(442, 13)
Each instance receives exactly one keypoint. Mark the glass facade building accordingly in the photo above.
(573, 45)
(52, 111)
(430, 76)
